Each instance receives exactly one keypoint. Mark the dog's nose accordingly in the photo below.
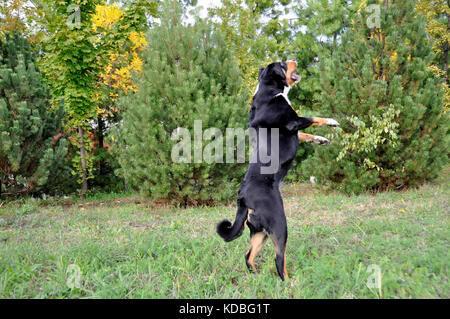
(292, 61)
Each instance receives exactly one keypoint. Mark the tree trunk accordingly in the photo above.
(386, 8)
(446, 52)
(83, 163)
(100, 139)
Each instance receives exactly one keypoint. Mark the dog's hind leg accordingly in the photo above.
(257, 241)
(279, 239)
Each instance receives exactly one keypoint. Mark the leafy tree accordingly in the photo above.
(318, 28)
(76, 52)
(22, 16)
(10, 16)
(120, 40)
(437, 13)
(71, 65)
(260, 32)
(15, 15)
(255, 32)
(188, 74)
(32, 148)
(388, 103)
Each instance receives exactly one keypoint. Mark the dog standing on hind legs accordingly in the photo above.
(260, 205)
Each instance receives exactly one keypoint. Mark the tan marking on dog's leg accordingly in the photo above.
(308, 138)
(286, 277)
(303, 137)
(256, 243)
(318, 121)
(279, 252)
(249, 211)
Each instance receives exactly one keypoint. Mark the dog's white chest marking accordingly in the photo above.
(285, 93)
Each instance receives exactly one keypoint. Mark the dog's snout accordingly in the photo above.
(296, 64)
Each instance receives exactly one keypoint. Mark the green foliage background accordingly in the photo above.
(388, 88)
(389, 104)
(33, 149)
(188, 74)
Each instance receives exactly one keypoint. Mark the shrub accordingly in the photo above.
(388, 102)
(188, 74)
(32, 149)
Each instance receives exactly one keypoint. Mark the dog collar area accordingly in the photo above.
(285, 93)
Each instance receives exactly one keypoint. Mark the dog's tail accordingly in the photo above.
(230, 232)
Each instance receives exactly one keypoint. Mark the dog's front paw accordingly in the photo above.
(332, 122)
(321, 140)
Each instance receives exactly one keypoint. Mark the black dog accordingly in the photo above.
(260, 205)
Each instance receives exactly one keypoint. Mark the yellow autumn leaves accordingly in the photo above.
(117, 75)
(106, 16)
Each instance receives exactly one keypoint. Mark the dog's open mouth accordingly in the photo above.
(295, 77)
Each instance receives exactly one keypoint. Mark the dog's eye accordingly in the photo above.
(284, 66)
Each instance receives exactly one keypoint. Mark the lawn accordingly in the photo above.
(126, 247)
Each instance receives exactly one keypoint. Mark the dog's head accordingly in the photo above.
(279, 72)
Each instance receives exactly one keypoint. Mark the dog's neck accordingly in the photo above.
(285, 94)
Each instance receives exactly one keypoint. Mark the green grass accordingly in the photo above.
(126, 248)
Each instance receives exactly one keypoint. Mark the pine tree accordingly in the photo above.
(388, 102)
(318, 27)
(320, 24)
(188, 74)
(32, 152)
